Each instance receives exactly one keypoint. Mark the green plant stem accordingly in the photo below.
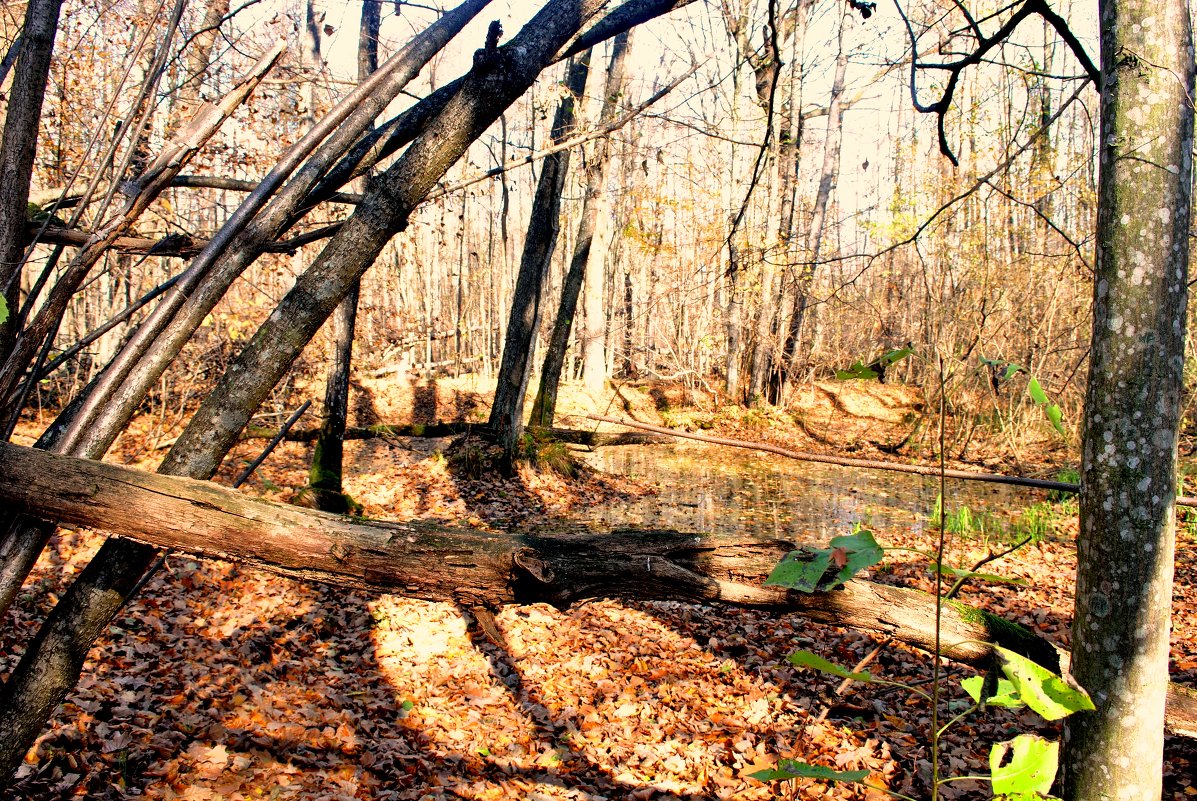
(886, 790)
(939, 551)
(953, 721)
(966, 778)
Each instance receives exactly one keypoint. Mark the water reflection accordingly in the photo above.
(716, 490)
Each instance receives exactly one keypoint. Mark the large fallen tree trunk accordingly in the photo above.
(480, 568)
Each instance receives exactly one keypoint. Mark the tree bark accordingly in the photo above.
(1127, 538)
(545, 406)
(324, 477)
(475, 568)
(21, 124)
(794, 356)
(507, 411)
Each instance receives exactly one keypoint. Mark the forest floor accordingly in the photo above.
(220, 682)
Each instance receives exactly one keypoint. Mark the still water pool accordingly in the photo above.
(718, 490)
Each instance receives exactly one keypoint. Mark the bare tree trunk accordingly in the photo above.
(324, 478)
(507, 412)
(1127, 539)
(21, 124)
(198, 57)
(594, 326)
(734, 322)
(545, 406)
(795, 356)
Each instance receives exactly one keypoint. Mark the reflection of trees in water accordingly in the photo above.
(719, 490)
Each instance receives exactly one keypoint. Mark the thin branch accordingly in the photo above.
(566, 144)
(984, 44)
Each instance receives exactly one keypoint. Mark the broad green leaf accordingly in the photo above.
(858, 370)
(1005, 695)
(1032, 765)
(801, 570)
(1036, 392)
(815, 662)
(860, 550)
(896, 355)
(3, 309)
(789, 769)
(804, 569)
(1043, 691)
(1012, 370)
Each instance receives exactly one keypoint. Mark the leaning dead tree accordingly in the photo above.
(436, 132)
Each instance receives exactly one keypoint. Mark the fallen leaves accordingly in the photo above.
(222, 682)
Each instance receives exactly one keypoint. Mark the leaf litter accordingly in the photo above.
(223, 682)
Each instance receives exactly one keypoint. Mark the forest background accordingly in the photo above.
(761, 222)
(861, 239)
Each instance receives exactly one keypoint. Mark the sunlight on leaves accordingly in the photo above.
(1005, 696)
(1050, 410)
(1043, 691)
(1031, 767)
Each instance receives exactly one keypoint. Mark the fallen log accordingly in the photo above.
(485, 569)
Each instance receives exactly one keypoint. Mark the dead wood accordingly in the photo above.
(485, 569)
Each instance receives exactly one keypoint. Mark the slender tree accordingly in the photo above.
(1127, 535)
(545, 406)
(507, 412)
(324, 478)
(21, 123)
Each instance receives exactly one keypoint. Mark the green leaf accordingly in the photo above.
(1043, 691)
(860, 550)
(800, 570)
(813, 661)
(1055, 417)
(789, 769)
(858, 370)
(1036, 392)
(896, 355)
(3, 309)
(807, 569)
(1005, 695)
(957, 572)
(1032, 765)
(1012, 370)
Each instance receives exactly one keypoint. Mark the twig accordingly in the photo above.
(282, 432)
